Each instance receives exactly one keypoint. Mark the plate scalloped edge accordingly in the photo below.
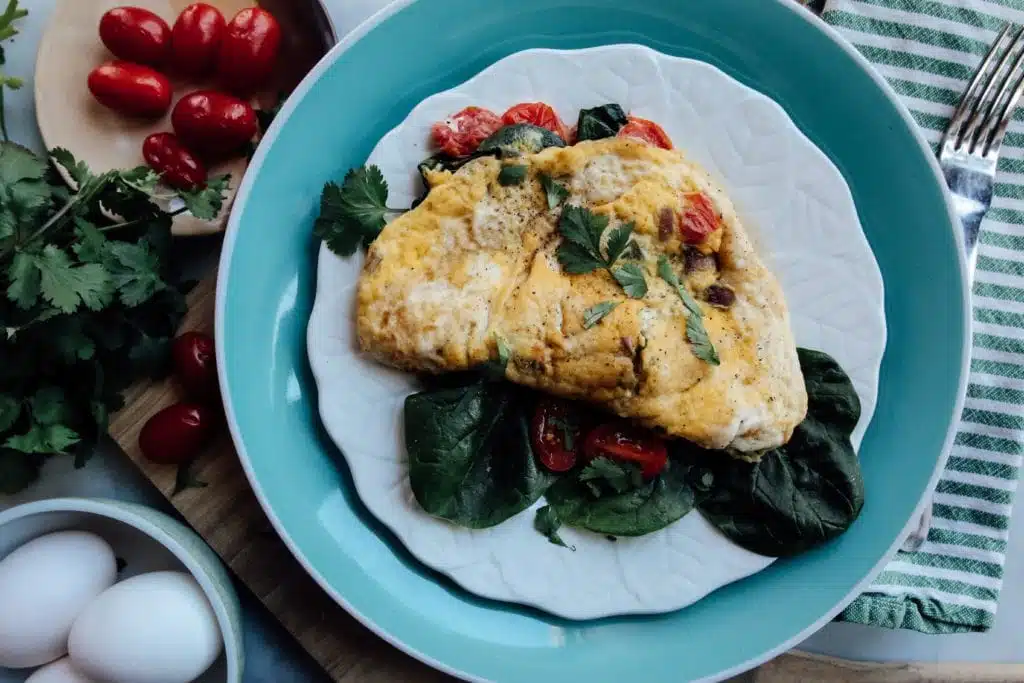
(749, 143)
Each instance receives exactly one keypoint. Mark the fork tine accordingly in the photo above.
(995, 84)
(1005, 117)
(971, 95)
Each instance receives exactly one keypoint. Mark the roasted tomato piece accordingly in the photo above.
(539, 114)
(700, 218)
(462, 133)
(557, 432)
(645, 130)
(624, 442)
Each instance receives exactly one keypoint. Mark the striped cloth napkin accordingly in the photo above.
(928, 50)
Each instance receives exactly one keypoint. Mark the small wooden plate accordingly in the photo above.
(70, 117)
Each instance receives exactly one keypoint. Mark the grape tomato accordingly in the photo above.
(176, 165)
(196, 39)
(136, 35)
(130, 89)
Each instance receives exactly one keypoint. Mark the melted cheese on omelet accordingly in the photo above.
(476, 261)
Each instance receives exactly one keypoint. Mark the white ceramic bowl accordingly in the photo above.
(147, 541)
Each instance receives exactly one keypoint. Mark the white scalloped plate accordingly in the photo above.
(800, 213)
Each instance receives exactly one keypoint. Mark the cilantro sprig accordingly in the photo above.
(89, 297)
(353, 213)
(605, 472)
(696, 333)
(580, 251)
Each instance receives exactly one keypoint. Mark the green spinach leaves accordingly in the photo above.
(804, 493)
(600, 122)
(471, 462)
(470, 457)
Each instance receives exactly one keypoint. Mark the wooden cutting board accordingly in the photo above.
(226, 513)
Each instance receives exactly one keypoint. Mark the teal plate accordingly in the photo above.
(366, 86)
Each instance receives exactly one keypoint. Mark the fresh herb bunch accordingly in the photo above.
(89, 302)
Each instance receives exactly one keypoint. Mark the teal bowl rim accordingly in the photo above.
(224, 271)
(140, 517)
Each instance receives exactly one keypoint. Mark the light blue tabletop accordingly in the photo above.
(272, 656)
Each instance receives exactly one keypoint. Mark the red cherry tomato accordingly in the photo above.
(645, 130)
(195, 364)
(177, 166)
(177, 433)
(196, 39)
(136, 35)
(213, 124)
(556, 432)
(130, 89)
(463, 132)
(626, 443)
(537, 113)
(699, 218)
(248, 50)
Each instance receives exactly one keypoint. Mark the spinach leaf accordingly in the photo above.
(634, 512)
(802, 494)
(444, 162)
(600, 122)
(546, 522)
(471, 460)
(519, 138)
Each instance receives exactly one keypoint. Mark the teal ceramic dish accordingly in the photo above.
(366, 86)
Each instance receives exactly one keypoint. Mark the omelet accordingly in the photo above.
(474, 274)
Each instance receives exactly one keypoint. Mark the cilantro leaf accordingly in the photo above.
(597, 312)
(76, 170)
(583, 227)
(205, 202)
(567, 429)
(580, 251)
(354, 212)
(135, 271)
(48, 406)
(698, 337)
(633, 251)
(495, 368)
(25, 279)
(43, 439)
(620, 476)
(10, 411)
(631, 277)
(577, 260)
(19, 163)
(618, 241)
(67, 287)
(555, 191)
(546, 522)
(513, 174)
(696, 333)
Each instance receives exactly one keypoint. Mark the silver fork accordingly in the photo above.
(969, 154)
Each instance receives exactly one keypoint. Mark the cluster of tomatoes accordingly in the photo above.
(462, 132)
(176, 434)
(210, 125)
(563, 435)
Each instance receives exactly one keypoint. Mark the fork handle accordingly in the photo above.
(971, 202)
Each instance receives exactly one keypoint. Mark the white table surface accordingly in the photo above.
(110, 474)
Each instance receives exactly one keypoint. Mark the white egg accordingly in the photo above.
(151, 628)
(44, 585)
(60, 671)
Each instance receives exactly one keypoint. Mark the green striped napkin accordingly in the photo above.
(928, 51)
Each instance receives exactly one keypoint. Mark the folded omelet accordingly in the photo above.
(473, 272)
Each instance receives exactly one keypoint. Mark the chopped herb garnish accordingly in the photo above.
(695, 331)
(631, 277)
(620, 476)
(555, 191)
(580, 252)
(496, 368)
(547, 522)
(597, 312)
(511, 175)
